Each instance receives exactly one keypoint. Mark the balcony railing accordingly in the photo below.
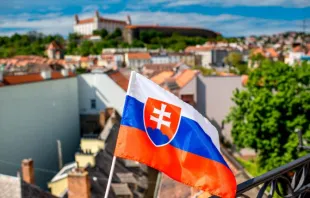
(292, 177)
(289, 181)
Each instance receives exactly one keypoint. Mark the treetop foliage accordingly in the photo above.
(273, 106)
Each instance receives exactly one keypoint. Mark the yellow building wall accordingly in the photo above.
(83, 160)
(84, 65)
(92, 144)
(58, 187)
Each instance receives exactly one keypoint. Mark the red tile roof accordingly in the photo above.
(31, 78)
(198, 48)
(54, 46)
(161, 66)
(181, 79)
(21, 61)
(298, 49)
(119, 79)
(266, 52)
(161, 77)
(185, 77)
(91, 20)
(84, 59)
(112, 21)
(141, 55)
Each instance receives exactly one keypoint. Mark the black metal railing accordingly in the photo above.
(290, 180)
(292, 177)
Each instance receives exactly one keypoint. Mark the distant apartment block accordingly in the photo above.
(87, 26)
(210, 56)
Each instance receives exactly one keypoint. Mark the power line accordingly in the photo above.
(35, 168)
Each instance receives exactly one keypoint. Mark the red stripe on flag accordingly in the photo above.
(188, 168)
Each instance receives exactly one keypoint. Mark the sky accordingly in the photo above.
(229, 17)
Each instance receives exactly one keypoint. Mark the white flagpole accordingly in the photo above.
(132, 74)
(107, 190)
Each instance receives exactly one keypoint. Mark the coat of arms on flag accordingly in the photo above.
(161, 121)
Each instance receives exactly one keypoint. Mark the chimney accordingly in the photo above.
(65, 72)
(128, 20)
(76, 17)
(78, 184)
(46, 74)
(28, 171)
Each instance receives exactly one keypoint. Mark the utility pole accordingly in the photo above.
(304, 26)
(59, 154)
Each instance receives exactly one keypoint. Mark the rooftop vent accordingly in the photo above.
(65, 72)
(46, 74)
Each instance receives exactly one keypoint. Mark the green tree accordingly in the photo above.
(73, 37)
(102, 33)
(275, 103)
(234, 59)
(137, 43)
(117, 33)
(204, 71)
(85, 48)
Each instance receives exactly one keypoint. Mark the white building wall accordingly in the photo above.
(101, 88)
(190, 89)
(160, 59)
(294, 57)
(206, 58)
(175, 59)
(32, 117)
(85, 29)
(214, 95)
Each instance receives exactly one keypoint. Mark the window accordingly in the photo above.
(93, 103)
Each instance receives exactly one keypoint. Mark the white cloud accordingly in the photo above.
(228, 3)
(228, 25)
(90, 8)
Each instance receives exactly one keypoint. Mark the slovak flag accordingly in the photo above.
(163, 132)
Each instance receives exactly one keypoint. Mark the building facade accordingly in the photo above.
(136, 61)
(97, 91)
(213, 58)
(33, 116)
(214, 95)
(87, 26)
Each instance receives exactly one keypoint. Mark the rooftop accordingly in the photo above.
(101, 19)
(141, 55)
(31, 78)
(119, 79)
(54, 46)
(185, 77)
(161, 77)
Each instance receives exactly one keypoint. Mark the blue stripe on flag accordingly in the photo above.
(190, 136)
